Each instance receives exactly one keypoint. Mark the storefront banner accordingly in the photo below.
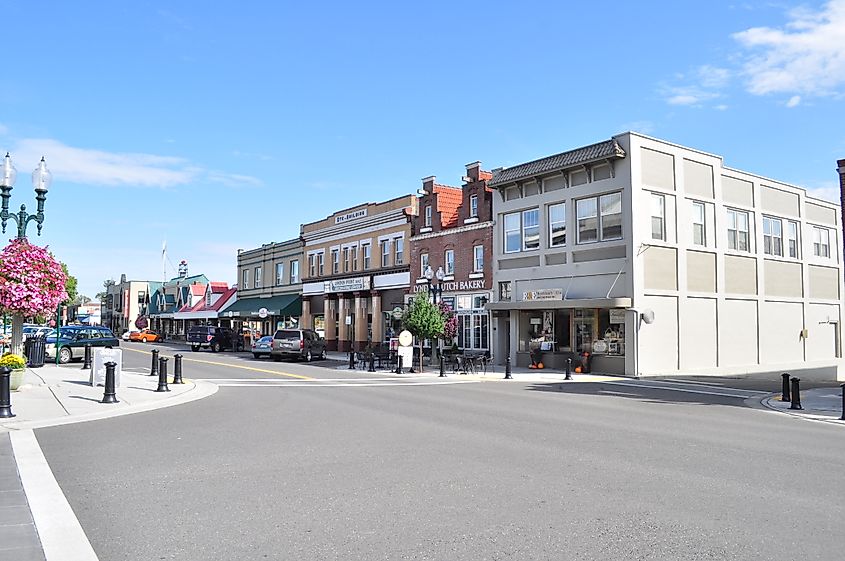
(346, 285)
(543, 294)
(455, 286)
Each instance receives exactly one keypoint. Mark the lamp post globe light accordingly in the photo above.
(41, 180)
(434, 289)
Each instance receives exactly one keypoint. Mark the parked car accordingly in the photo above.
(72, 339)
(144, 336)
(38, 330)
(211, 337)
(299, 344)
(263, 346)
(127, 335)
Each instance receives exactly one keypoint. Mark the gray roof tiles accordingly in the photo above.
(594, 152)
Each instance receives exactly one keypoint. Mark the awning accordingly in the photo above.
(282, 305)
(560, 304)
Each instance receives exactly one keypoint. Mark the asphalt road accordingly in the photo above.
(307, 464)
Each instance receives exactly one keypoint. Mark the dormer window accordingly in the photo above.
(473, 206)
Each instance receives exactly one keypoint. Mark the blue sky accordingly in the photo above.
(219, 126)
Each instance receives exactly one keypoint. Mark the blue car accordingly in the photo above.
(262, 347)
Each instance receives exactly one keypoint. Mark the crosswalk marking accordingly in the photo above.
(678, 387)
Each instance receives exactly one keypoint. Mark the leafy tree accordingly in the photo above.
(423, 319)
(70, 286)
(81, 299)
(106, 284)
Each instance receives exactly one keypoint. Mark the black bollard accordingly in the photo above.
(568, 369)
(372, 367)
(399, 365)
(785, 387)
(154, 366)
(109, 393)
(86, 361)
(796, 394)
(6, 393)
(351, 360)
(162, 375)
(508, 369)
(842, 418)
(442, 366)
(177, 369)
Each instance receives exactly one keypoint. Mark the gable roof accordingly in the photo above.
(449, 199)
(197, 289)
(609, 149)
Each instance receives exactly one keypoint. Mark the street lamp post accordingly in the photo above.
(434, 290)
(41, 180)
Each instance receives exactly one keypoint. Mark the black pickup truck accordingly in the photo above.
(212, 337)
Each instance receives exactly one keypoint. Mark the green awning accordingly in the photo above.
(282, 305)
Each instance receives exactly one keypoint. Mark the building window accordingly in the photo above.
(280, 273)
(294, 271)
(346, 267)
(478, 258)
(245, 279)
(428, 216)
(557, 225)
(699, 230)
(385, 253)
(658, 217)
(505, 291)
(400, 252)
(257, 277)
(594, 226)
(423, 263)
(473, 206)
(320, 260)
(821, 242)
(365, 250)
(737, 230)
(772, 236)
(353, 252)
(513, 241)
(792, 239)
(450, 262)
(531, 229)
(312, 265)
(335, 261)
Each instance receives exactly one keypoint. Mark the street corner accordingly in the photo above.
(818, 404)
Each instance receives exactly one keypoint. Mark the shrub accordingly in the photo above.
(12, 361)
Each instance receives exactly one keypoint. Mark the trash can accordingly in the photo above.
(35, 349)
(586, 359)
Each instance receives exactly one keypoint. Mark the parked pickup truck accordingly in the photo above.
(211, 337)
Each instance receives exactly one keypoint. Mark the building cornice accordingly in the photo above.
(455, 230)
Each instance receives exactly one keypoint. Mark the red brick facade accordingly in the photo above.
(840, 167)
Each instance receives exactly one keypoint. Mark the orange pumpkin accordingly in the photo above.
(577, 369)
(540, 365)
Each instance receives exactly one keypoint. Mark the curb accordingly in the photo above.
(799, 413)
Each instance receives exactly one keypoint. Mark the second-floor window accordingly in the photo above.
(280, 273)
(294, 271)
(658, 217)
(258, 277)
(353, 252)
(365, 250)
(320, 263)
(385, 253)
(400, 251)
(792, 239)
(245, 279)
(473, 206)
(449, 262)
(423, 263)
(504, 291)
(531, 229)
(312, 265)
(428, 216)
(772, 236)
(821, 242)
(599, 218)
(699, 228)
(478, 258)
(346, 267)
(738, 230)
(335, 261)
(557, 225)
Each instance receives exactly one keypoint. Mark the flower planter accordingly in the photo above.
(16, 379)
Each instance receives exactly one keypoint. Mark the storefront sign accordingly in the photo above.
(617, 316)
(350, 216)
(543, 294)
(263, 313)
(346, 285)
(454, 286)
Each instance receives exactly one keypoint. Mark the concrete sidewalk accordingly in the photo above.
(58, 395)
(820, 404)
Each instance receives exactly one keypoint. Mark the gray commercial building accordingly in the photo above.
(658, 259)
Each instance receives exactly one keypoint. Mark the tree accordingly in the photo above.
(81, 300)
(100, 296)
(70, 285)
(423, 319)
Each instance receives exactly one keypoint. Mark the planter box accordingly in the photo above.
(16, 378)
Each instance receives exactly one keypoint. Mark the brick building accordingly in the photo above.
(453, 236)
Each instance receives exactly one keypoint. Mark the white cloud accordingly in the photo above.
(793, 101)
(98, 167)
(704, 85)
(806, 56)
